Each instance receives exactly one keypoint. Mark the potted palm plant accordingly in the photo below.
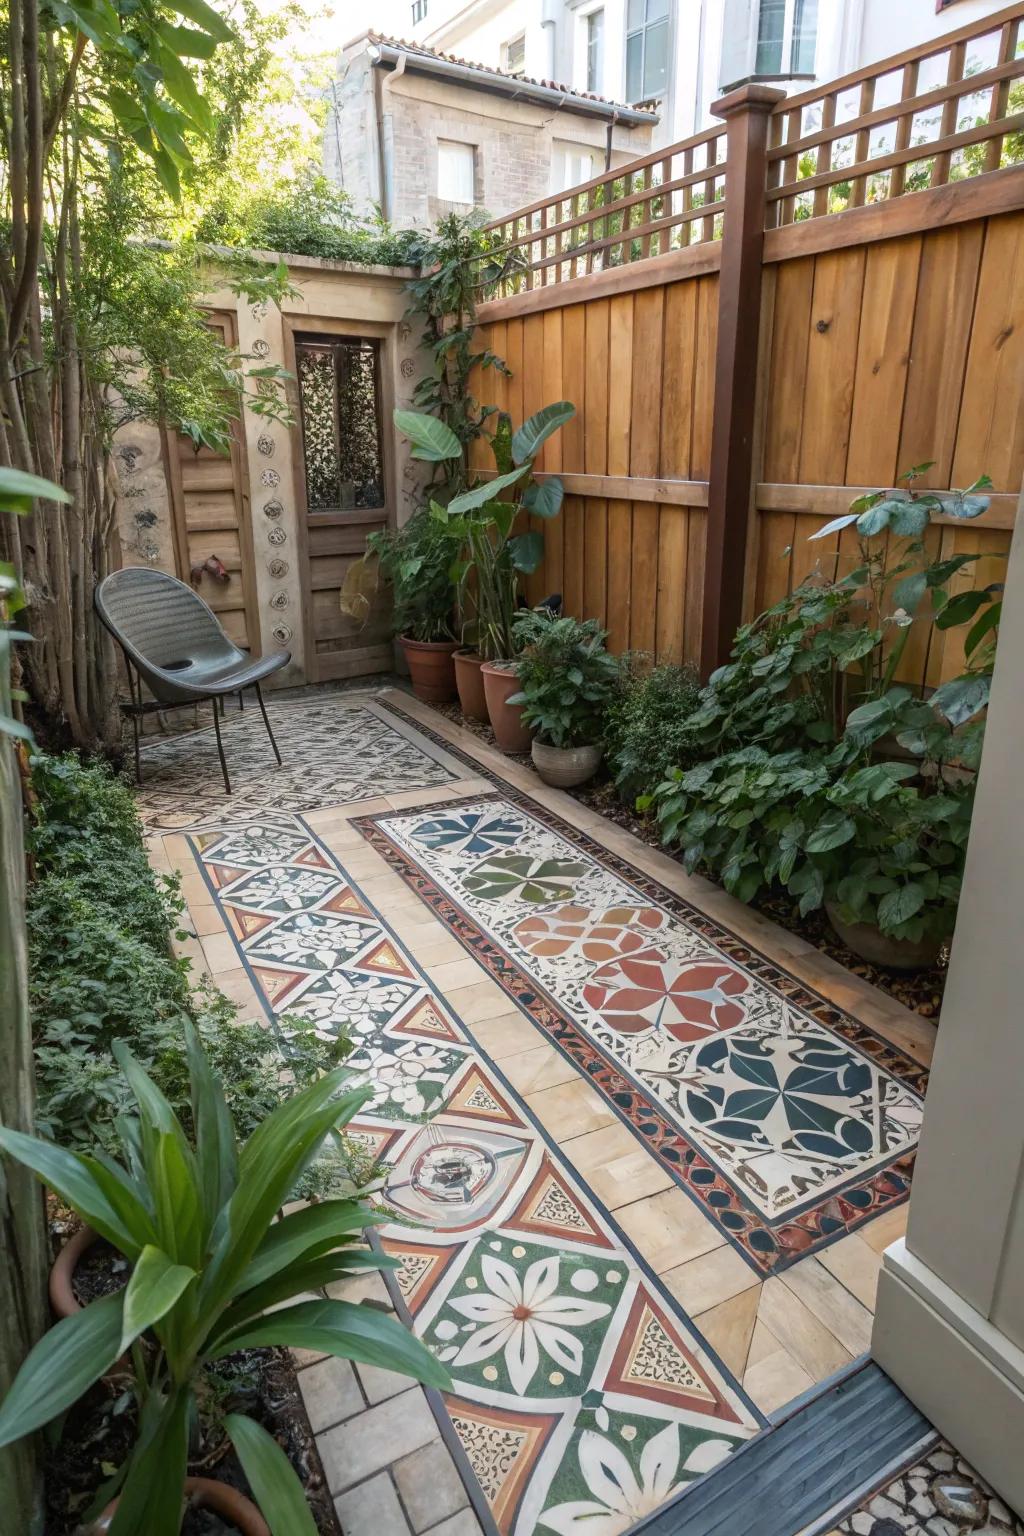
(213, 1271)
(567, 680)
(417, 560)
(493, 555)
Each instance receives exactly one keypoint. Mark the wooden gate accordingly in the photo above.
(344, 486)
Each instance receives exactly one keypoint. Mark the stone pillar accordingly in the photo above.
(949, 1326)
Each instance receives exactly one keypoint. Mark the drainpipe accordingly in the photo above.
(608, 140)
(549, 23)
(383, 164)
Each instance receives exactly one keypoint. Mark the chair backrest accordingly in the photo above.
(160, 620)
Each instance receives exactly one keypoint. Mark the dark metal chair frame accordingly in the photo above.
(155, 618)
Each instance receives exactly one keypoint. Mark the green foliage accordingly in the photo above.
(417, 560)
(101, 970)
(567, 679)
(648, 730)
(802, 784)
(213, 1272)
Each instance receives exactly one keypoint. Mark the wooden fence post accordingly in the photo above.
(746, 112)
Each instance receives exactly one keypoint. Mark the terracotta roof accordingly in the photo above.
(502, 74)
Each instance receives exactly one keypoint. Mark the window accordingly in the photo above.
(339, 395)
(513, 55)
(646, 49)
(572, 164)
(419, 10)
(595, 52)
(786, 36)
(456, 171)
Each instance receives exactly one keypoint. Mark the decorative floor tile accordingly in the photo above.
(938, 1495)
(788, 1121)
(333, 753)
(583, 1396)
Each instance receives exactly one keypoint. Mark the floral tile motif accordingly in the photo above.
(789, 1122)
(938, 1495)
(582, 1395)
(333, 753)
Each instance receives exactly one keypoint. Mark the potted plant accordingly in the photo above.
(417, 560)
(212, 1272)
(567, 680)
(493, 556)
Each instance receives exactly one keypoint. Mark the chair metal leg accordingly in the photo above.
(220, 747)
(136, 712)
(266, 722)
(241, 701)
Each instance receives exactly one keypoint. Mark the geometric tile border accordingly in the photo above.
(582, 1393)
(787, 1120)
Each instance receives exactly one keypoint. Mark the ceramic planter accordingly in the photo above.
(470, 684)
(500, 682)
(878, 948)
(565, 767)
(62, 1292)
(431, 668)
(233, 1508)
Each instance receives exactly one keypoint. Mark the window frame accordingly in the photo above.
(787, 69)
(334, 342)
(646, 25)
(597, 14)
(419, 10)
(519, 40)
(443, 196)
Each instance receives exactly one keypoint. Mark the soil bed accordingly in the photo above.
(99, 1430)
(921, 992)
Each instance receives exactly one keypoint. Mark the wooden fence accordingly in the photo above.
(846, 300)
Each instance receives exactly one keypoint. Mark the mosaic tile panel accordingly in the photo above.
(789, 1122)
(940, 1494)
(334, 753)
(583, 1397)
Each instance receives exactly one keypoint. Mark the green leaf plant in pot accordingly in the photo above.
(567, 680)
(493, 556)
(417, 560)
(213, 1271)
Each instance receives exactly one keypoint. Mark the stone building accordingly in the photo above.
(418, 133)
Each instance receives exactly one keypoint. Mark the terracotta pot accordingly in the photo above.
(566, 766)
(431, 668)
(878, 948)
(506, 719)
(62, 1293)
(470, 684)
(206, 1493)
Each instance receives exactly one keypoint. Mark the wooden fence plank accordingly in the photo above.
(794, 290)
(673, 530)
(620, 540)
(990, 433)
(883, 356)
(678, 379)
(831, 365)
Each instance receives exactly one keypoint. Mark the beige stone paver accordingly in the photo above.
(669, 1229)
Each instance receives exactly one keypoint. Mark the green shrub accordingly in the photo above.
(567, 679)
(306, 217)
(648, 731)
(418, 560)
(101, 969)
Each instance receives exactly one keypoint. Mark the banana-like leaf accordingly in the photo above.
(544, 497)
(539, 428)
(204, 16)
(298, 1280)
(154, 1287)
(74, 1182)
(279, 1493)
(527, 550)
(306, 1234)
(487, 490)
(431, 438)
(129, 1199)
(154, 1489)
(349, 1331)
(62, 1366)
(216, 1149)
(18, 490)
(170, 1164)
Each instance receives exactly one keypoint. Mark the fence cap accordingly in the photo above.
(751, 96)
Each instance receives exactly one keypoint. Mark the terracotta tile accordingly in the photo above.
(571, 1109)
(668, 1229)
(538, 1068)
(507, 1035)
(799, 1332)
(776, 1380)
(885, 1229)
(614, 1164)
(712, 1278)
(856, 1264)
(831, 1303)
(729, 1328)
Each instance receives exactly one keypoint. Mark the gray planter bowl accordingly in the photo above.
(877, 948)
(565, 767)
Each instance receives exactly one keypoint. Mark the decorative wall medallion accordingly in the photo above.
(277, 568)
(407, 367)
(259, 310)
(279, 600)
(129, 456)
(272, 509)
(265, 445)
(277, 536)
(404, 330)
(145, 517)
(282, 633)
(270, 477)
(261, 348)
(133, 490)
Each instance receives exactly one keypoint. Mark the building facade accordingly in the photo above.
(679, 54)
(418, 133)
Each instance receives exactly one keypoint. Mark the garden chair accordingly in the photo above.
(173, 642)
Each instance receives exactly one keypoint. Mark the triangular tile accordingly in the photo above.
(221, 875)
(503, 1446)
(346, 900)
(475, 1096)
(652, 1361)
(244, 924)
(278, 985)
(550, 1207)
(422, 1268)
(384, 959)
(729, 1328)
(427, 1020)
(311, 858)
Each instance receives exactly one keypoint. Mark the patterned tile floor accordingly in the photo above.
(611, 1328)
(939, 1494)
